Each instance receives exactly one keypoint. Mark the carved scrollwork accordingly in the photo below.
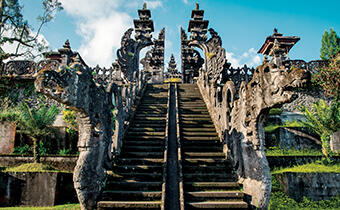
(51, 65)
(19, 68)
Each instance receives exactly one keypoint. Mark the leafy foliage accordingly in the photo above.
(329, 78)
(70, 118)
(324, 121)
(279, 200)
(14, 29)
(35, 122)
(330, 45)
(23, 150)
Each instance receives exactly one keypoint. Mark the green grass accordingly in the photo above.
(276, 151)
(275, 111)
(279, 200)
(59, 207)
(31, 167)
(288, 124)
(310, 168)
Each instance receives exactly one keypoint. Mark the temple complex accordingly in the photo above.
(189, 138)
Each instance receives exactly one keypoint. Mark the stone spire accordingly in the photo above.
(144, 25)
(172, 66)
(197, 26)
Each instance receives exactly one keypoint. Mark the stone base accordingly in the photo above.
(7, 137)
(315, 186)
(36, 189)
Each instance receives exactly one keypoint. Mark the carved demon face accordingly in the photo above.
(278, 84)
(64, 85)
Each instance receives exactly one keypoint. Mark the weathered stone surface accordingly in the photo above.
(36, 189)
(7, 137)
(29, 188)
(315, 186)
(335, 142)
(58, 162)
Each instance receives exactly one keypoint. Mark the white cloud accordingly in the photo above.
(185, 1)
(101, 24)
(250, 58)
(28, 52)
(153, 4)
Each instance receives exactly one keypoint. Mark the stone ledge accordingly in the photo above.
(315, 186)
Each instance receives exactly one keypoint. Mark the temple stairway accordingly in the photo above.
(137, 176)
(208, 178)
(151, 174)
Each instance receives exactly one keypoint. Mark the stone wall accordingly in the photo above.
(315, 186)
(36, 189)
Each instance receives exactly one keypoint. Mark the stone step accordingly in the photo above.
(204, 169)
(196, 125)
(205, 161)
(143, 154)
(211, 177)
(187, 111)
(134, 138)
(204, 154)
(147, 124)
(137, 176)
(142, 106)
(144, 143)
(215, 194)
(196, 133)
(218, 205)
(122, 195)
(134, 148)
(133, 185)
(145, 129)
(200, 138)
(186, 115)
(129, 204)
(150, 115)
(198, 129)
(158, 119)
(147, 133)
(207, 186)
(202, 148)
(140, 161)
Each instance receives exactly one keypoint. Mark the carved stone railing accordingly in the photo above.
(311, 66)
(25, 69)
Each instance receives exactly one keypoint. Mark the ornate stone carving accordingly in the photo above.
(19, 68)
(74, 87)
(269, 87)
(128, 54)
(191, 60)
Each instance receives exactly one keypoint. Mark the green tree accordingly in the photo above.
(15, 30)
(35, 123)
(330, 45)
(324, 120)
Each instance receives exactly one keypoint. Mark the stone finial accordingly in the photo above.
(275, 30)
(67, 44)
(144, 6)
(197, 6)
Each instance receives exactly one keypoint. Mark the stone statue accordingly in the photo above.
(270, 87)
(74, 87)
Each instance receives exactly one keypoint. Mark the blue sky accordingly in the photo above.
(94, 28)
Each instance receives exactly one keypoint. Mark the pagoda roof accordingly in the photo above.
(286, 42)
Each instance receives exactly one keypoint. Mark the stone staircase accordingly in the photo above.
(208, 178)
(137, 177)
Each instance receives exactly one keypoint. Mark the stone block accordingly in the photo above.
(7, 137)
(315, 186)
(36, 189)
(335, 142)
